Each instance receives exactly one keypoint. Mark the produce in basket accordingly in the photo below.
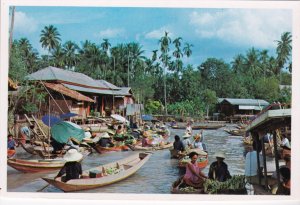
(237, 182)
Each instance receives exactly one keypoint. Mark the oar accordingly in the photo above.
(41, 189)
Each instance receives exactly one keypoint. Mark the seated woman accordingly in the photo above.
(193, 175)
(72, 167)
(105, 141)
(197, 144)
(11, 146)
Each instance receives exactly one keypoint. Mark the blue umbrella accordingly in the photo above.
(147, 117)
(67, 115)
(53, 120)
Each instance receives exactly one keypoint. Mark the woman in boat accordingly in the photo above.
(218, 170)
(105, 141)
(72, 167)
(193, 175)
(145, 141)
(11, 146)
(119, 131)
(197, 143)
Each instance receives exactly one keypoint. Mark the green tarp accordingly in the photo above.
(62, 131)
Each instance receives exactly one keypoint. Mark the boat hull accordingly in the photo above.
(135, 162)
(102, 150)
(31, 166)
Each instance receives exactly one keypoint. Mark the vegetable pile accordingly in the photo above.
(112, 170)
(188, 189)
(237, 182)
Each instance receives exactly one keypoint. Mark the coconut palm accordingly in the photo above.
(283, 50)
(177, 42)
(49, 37)
(105, 45)
(70, 50)
(238, 63)
(154, 55)
(252, 62)
(187, 49)
(57, 56)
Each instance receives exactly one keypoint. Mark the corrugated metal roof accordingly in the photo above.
(53, 73)
(109, 85)
(123, 91)
(71, 93)
(236, 101)
(89, 90)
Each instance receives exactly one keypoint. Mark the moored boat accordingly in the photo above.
(148, 148)
(118, 171)
(239, 132)
(102, 150)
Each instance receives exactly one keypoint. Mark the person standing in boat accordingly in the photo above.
(24, 134)
(11, 151)
(218, 170)
(188, 128)
(72, 167)
(193, 175)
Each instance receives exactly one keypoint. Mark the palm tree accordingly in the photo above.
(105, 45)
(154, 55)
(187, 49)
(70, 54)
(177, 42)
(283, 50)
(264, 60)
(164, 47)
(238, 63)
(49, 38)
(58, 56)
(252, 62)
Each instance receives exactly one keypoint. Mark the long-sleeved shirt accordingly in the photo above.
(72, 170)
(219, 172)
(178, 145)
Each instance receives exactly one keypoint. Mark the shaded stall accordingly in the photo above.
(268, 122)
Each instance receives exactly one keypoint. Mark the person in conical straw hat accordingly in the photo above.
(218, 170)
(105, 141)
(186, 141)
(72, 167)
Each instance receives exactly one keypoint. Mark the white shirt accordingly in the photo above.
(251, 163)
(198, 145)
(285, 142)
(186, 142)
(189, 129)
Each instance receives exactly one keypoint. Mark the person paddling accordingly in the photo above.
(72, 167)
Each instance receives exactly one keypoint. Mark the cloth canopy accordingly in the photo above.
(63, 130)
(67, 115)
(50, 120)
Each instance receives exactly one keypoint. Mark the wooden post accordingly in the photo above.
(257, 156)
(264, 158)
(276, 156)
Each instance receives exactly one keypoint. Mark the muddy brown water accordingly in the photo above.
(155, 177)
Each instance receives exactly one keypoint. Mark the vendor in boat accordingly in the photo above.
(178, 145)
(11, 146)
(105, 141)
(119, 130)
(193, 175)
(72, 167)
(24, 134)
(144, 139)
(218, 170)
(197, 142)
(186, 141)
(188, 128)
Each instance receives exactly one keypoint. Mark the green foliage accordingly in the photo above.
(153, 107)
(267, 89)
(285, 96)
(30, 107)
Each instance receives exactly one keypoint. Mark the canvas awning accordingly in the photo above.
(68, 92)
(249, 107)
(64, 130)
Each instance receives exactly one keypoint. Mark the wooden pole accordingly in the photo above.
(276, 156)
(264, 159)
(49, 128)
(257, 156)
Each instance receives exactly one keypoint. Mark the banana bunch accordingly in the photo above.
(235, 183)
(188, 189)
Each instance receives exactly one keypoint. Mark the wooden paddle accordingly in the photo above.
(41, 189)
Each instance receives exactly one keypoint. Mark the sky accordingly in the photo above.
(218, 33)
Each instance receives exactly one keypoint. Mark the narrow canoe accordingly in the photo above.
(102, 150)
(198, 127)
(235, 132)
(176, 189)
(140, 148)
(126, 167)
(40, 165)
(31, 166)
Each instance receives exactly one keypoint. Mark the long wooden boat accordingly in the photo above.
(40, 165)
(140, 148)
(199, 127)
(235, 132)
(102, 150)
(125, 168)
(177, 189)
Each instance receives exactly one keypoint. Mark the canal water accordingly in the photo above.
(155, 177)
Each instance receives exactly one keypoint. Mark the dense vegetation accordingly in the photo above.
(188, 89)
